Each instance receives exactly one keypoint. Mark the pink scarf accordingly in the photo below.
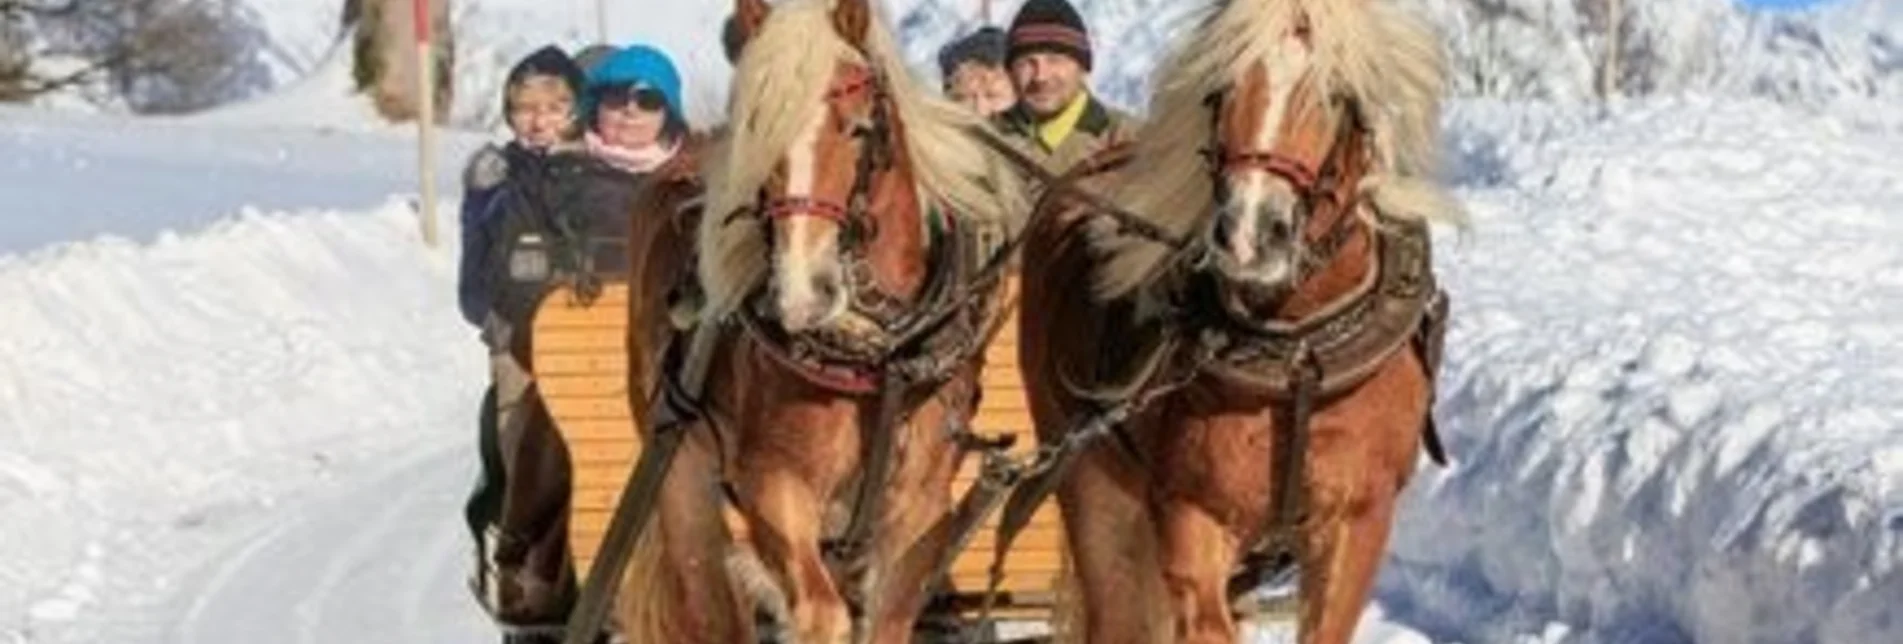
(641, 160)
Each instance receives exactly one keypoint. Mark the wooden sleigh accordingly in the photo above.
(580, 365)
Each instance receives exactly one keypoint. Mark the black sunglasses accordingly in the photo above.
(646, 98)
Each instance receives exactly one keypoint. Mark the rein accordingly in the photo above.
(1109, 158)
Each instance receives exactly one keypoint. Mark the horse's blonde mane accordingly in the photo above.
(779, 83)
(1388, 61)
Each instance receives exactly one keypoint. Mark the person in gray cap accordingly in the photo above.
(973, 71)
(592, 55)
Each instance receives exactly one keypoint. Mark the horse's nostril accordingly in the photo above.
(1278, 231)
(1223, 230)
(826, 286)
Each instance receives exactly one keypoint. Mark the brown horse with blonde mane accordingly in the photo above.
(847, 217)
(1260, 302)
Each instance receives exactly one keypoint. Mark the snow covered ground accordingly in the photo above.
(226, 346)
(74, 176)
(1673, 385)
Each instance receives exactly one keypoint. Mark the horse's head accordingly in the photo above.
(1276, 143)
(840, 141)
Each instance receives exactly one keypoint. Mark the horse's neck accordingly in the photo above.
(897, 253)
(1345, 262)
(1338, 276)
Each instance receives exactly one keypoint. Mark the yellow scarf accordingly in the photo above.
(1053, 132)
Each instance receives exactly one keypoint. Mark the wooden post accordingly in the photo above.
(426, 119)
(1609, 77)
(601, 22)
(984, 12)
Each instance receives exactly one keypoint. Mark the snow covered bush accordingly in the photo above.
(1557, 49)
(149, 56)
(1547, 49)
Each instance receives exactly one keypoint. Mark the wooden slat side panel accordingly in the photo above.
(580, 362)
(581, 368)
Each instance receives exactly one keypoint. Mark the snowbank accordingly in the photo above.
(298, 34)
(323, 97)
(1672, 386)
(155, 400)
(70, 177)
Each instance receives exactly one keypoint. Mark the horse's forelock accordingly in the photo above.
(779, 83)
(780, 80)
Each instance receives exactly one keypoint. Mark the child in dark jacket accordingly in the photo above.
(542, 102)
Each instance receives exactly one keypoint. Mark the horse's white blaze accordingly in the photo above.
(1261, 195)
(801, 256)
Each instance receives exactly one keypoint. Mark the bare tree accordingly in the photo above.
(152, 55)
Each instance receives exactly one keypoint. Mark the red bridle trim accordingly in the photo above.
(857, 80)
(792, 206)
(1296, 172)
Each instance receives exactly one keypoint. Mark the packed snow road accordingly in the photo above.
(381, 560)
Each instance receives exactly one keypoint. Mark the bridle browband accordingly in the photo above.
(1294, 170)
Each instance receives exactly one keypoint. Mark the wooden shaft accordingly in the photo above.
(601, 22)
(1609, 79)
(426, 121)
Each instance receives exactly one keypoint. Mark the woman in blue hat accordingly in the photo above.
(632, 106)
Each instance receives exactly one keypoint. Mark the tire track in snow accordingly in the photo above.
(381, 561)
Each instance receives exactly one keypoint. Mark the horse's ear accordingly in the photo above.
(852, 18)
(749, 15)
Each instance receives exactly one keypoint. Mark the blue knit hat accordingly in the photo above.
(638, 65)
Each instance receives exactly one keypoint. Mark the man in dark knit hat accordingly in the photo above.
(973, 71)
(1048, 53)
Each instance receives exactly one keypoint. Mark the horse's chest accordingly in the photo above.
(1220, 458)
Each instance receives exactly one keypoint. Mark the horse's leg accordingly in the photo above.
(1198, 553)
(1345, 548)
(1106, 524)
(918, 495)
(785, 514)
(1360, 456)
(677, 588)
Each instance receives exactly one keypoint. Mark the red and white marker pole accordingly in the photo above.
(601, 22)
(426, 119)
